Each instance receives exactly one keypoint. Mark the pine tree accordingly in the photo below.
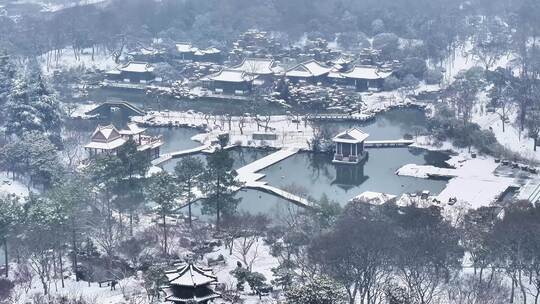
(10, 215)
(163, 191)
(32, 106)
(219, 186)
(189, 173)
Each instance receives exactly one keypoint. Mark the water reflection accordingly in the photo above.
(349, 176)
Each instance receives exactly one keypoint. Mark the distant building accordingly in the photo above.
(261, 67)
(134, 72)
(366, 77)
(148, 54)
(229, 81)
(190, 284)
(108, 139)
(312, 71)
(186, 51)
(350, 146)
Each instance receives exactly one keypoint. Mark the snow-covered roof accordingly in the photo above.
(184, 47)
(105, 133)
(114, 72)
(207, 295)
(257, 66)
(366, 72)
(137, 67)
(106, 138)
(106, 145)
(374, 198)
(335, 75)
(341, 60)
(190, 275)
(132, 129)
(351, 136)
(311, 68)
(211, 50)
(228, 75)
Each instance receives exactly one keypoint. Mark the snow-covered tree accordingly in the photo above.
(32, 106)
(319, 290)
(163, 191)
(10, 214)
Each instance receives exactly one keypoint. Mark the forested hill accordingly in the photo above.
(438, 23)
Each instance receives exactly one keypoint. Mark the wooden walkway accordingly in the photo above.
(116, 104)
(249, 176)
(388, 143)
(168, 156)
(293, 198)
(340, 117)
(249, 172)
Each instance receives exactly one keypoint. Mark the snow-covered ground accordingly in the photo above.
(511, 138)
(10, 186)
(129, 288)
(102, 60)
(263, 262)
(472, 180)
(55, 7)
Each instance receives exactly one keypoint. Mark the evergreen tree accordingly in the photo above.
(220, 185)
(32, 106)
(189, 173)
(7, 73)
(33, 155)
(71, 197)
(163, 191)
(10, 215)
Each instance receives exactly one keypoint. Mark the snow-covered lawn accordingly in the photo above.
(67, 60)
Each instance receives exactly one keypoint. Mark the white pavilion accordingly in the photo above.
(350, 146)
(108, 139)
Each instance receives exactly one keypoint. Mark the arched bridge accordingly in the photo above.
(106, 108)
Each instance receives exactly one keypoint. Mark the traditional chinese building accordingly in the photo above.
(108, 139)
(350, 146)
(310, 71)
(366, 77)
(227, 81)
(135, 72)
(190, 284)
(260, 67)
(186, 51)
(148, 54)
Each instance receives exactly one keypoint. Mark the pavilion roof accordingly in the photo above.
(132, 129)
(311, 68)
(190, 275)
(184, 47)
(228, 75)
(351, 136)
(105, 138)
(137, 67)
(366, 72)
(257, 66)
